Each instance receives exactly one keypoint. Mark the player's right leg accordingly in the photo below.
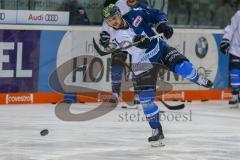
(234, 70)
(117, 68)
(146, 85)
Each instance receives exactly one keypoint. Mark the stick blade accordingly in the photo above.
(177, 107)
(97, 48)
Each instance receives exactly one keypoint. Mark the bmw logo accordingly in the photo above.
(201, 47)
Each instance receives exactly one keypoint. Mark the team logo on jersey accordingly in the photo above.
(201, 47)
(137, 21)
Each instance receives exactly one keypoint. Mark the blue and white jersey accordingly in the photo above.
(138, 22)
(232, 33)
(124, 8)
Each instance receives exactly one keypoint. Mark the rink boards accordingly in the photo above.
(31, 54)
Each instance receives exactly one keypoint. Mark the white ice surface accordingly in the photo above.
(212, 133)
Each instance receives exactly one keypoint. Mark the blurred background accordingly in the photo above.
(52, 32)
(182, 13)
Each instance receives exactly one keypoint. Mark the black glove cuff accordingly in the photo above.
(161, 26)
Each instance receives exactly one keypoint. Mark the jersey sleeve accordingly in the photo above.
(120, 37)
(232, 27)
(105, 27)
(154, 16)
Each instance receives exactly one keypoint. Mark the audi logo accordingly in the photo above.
(51, 17)
(2, 16)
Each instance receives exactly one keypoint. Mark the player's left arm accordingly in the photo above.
(153, 16)
(229, 32)
(232, 27)
(159, 19)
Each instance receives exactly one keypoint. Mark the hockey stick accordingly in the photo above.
(177, 107)
(170, 107)
(103, 53)
(122, 46)
(97, 48)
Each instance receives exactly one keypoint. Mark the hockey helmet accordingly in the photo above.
(111, 10)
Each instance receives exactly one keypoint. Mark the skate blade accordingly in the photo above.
(138, 107)
(158, 143)
(234, 107)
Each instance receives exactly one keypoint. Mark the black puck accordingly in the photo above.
(44, 132)
(81, 102)
(124, 106)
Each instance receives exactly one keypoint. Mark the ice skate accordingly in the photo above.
(234, 101)
(135, 104)
(157, 137)
(114, 98)
(204, 82)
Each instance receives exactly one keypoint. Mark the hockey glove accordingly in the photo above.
(165, 29)
(144, 41)
(104, 38)
(224, 45)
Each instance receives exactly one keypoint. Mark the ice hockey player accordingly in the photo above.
(147, 54)
(231, 44)
(116, 64)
